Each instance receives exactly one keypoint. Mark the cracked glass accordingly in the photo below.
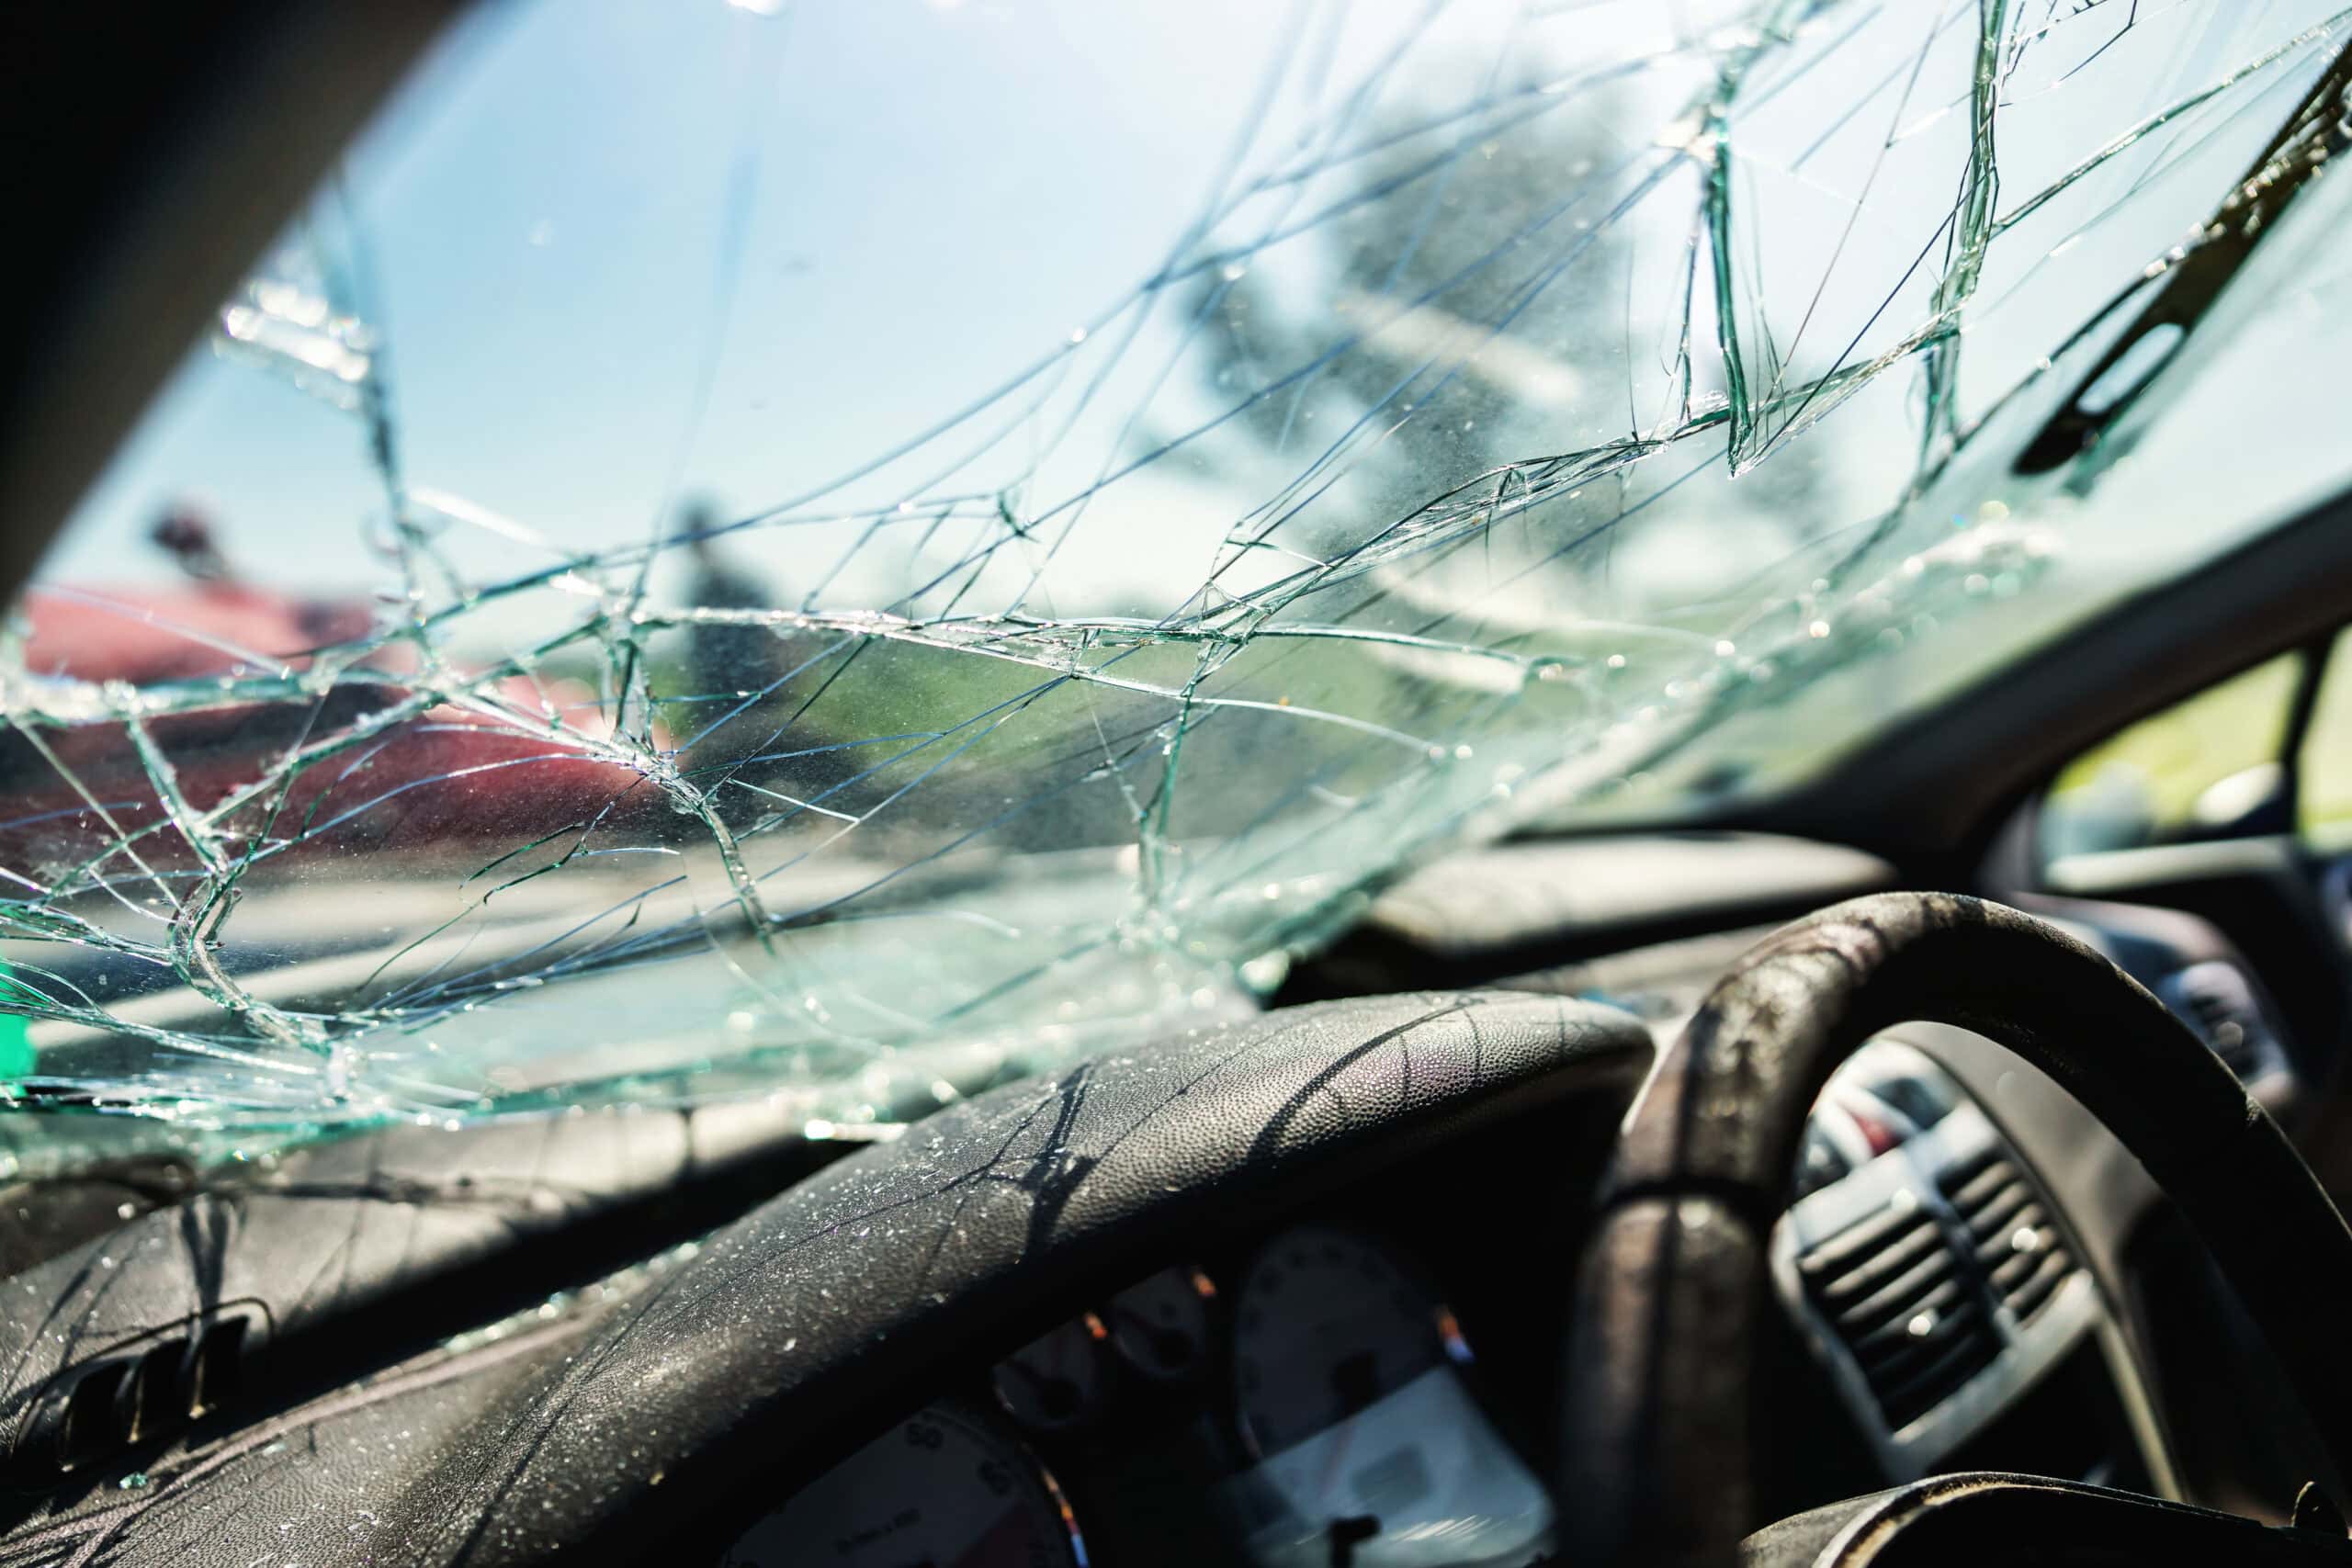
(842, 552)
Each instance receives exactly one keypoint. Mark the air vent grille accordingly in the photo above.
(1894, 1290)
(2017, 1244)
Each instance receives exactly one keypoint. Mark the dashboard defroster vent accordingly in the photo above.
(98, 1409)
(1892, 1287)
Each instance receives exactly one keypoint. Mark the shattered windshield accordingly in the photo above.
(842, 551)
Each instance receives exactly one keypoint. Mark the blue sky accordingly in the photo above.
(938, 194)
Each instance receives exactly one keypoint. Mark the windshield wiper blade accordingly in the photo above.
(2320, 128)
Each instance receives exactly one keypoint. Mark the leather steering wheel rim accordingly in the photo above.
(1665, 1406)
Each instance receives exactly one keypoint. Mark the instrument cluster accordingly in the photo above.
(1314, 1402)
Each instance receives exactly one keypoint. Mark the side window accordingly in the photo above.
(2323, 761)
(2209, 767)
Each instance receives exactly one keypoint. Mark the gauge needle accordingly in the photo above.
(1353, 1382)
(1339, 1452)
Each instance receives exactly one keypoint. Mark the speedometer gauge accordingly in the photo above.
(1370, 1448)
(1324, 1326)
(942, 1489)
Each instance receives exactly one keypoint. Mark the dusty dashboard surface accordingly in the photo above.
(1301, 1378)
(1369, 1375)
(1155, 1269)
(1372, 1385)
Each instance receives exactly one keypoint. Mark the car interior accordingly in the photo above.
(1933, 1154)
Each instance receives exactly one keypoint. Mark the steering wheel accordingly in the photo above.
(1670, 1304)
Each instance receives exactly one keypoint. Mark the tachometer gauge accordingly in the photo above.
(940, 1489)
(1160, 1326)
(1056, 1382)
(1324, 1326)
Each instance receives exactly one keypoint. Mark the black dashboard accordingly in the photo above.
(1374, 1381)
(1370, 1376)
(1287, 1290)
